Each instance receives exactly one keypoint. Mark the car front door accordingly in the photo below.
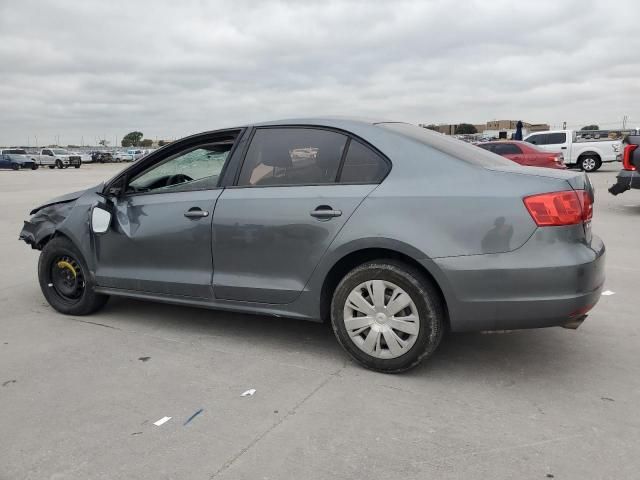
(160, 238)
(272, 228)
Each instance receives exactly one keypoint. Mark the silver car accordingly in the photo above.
(392, 232)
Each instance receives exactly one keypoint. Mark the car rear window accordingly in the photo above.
(363, 165)
(446, 144)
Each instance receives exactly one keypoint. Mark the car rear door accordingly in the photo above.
(160, 238)
(294, 192)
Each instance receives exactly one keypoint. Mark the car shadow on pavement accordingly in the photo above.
(501, 356)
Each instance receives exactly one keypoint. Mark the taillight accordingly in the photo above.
(560, 208)
(626, 157)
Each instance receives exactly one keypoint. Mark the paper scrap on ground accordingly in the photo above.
(608, 292)
(249, 392)
(161, 421)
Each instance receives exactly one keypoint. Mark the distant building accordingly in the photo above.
(493, 128)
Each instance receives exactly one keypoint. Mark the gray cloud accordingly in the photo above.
(93, 68)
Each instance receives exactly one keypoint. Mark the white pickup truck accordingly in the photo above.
(589, 155)
(57, 157)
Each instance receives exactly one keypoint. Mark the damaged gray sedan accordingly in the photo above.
(392, 232)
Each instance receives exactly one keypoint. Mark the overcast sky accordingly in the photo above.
(88, 69)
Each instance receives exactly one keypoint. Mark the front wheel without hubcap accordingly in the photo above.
(387, 315)
(64, 281)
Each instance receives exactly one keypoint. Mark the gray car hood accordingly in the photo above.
(69, 197)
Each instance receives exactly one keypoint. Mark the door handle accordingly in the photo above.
(325, 212)
(563, 148)
(196, 213)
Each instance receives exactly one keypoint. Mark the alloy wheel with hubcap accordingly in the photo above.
(381, 319)
(589, 164)
(387, 315)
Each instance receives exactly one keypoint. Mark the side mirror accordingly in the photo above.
(100, 220)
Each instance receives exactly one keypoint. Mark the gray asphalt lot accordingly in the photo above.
(76, 401)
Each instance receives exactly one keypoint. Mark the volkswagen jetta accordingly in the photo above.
(392, 232)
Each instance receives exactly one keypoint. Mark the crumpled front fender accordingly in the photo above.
(43, 224)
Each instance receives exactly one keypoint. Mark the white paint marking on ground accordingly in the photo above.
(249, 392)
(606, 293)
(161, 421)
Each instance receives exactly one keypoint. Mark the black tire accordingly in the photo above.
(423, 294)
(52, 167)
(59, 164)
(83, 300)
(589, 163)
(34, 166)
(76, 166)
(15, 166)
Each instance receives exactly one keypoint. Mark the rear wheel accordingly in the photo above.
(34, 166)
(65, 281)
(387, 316)
(15, 166)
(590, 163)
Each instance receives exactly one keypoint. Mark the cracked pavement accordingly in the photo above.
(79, 396)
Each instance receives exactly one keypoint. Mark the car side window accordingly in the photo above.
(47, 152)
(537, 139)
(197, 168)
(556, 138)
(506, 149)
(363, 165)
(292, 156)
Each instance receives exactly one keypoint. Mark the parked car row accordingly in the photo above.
(19, 158)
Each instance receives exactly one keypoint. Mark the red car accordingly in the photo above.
(525, 153)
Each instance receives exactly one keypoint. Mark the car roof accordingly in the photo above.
(328, 121)
(493, 142)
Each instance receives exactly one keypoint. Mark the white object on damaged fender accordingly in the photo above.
(249, 392)
(606, 293)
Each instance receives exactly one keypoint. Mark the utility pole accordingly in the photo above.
(624, 122)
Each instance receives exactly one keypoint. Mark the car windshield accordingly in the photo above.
(59, 151)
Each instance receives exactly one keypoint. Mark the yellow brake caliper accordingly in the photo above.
(68, 266)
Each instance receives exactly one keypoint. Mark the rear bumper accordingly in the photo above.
(549, 281)
(626, 180)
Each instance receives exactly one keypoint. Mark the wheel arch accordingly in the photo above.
(352, 259)
(590, 153)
